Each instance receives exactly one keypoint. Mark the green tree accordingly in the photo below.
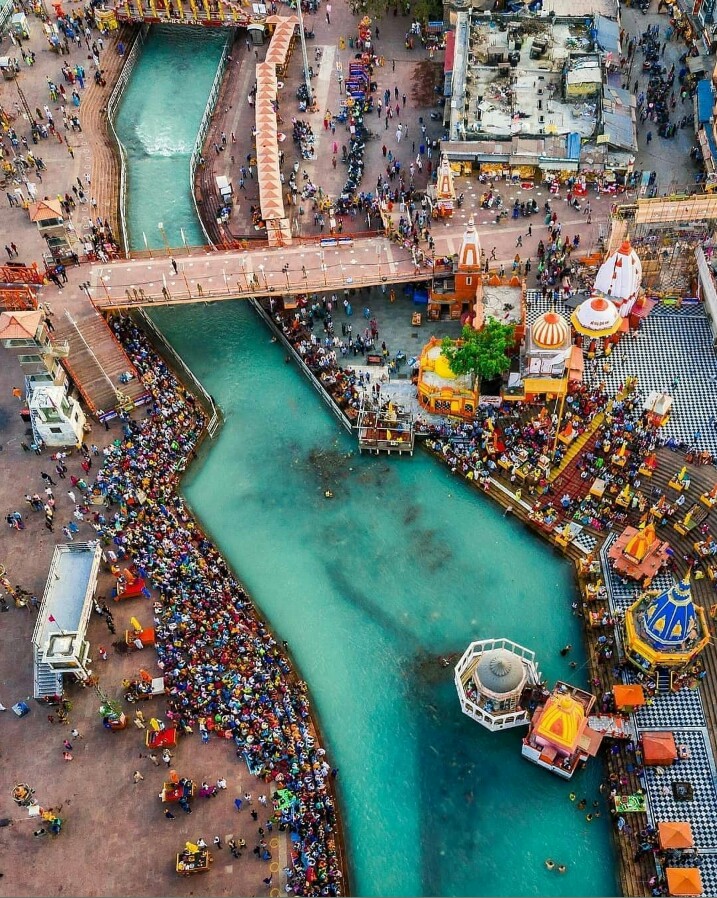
(482, 354)
(421, 10)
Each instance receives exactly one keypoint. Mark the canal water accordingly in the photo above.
(371, 588)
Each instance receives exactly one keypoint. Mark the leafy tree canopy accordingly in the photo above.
(481, 354)
(419, 10)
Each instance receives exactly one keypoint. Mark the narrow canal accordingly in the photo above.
(370, 589)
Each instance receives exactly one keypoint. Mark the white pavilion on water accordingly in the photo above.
(493, 678)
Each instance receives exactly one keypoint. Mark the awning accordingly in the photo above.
(705, 101)
(675, 835)
(684, 881)
(576, 364)
(696, 65)
(631, 696)
(658, 749)
(19, 325)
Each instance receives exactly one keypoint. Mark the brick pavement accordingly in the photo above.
(115, 840)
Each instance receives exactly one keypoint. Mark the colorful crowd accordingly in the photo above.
(223, 669)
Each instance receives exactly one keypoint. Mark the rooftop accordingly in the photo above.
(508, 79)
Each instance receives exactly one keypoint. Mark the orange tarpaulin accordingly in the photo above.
(684, 881)
(631, 696)
(658, 749)
(675, 835)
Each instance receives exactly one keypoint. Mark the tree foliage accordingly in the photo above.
(481, 354)
(419, 10)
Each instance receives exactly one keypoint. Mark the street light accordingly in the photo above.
(266, 283)
(86, 287)
(160, 225)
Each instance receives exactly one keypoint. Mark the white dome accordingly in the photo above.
(596, 317)
(620, 275)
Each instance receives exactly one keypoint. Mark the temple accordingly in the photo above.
(547, 363)
(559, 738)
(638, 554)
(665, 629)
(470, 297)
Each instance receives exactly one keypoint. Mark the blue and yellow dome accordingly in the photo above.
(670, 619)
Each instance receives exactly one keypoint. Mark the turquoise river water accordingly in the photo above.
(404, 565)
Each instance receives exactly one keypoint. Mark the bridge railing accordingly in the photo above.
(243, 288)
(204, 126)
(112, 107)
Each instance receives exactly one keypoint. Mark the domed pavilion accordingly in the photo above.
(493, 679)
(665, 629)
(597, 325)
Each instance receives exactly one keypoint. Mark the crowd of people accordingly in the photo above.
(224, 671)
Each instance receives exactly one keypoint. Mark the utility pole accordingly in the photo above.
(302, 38)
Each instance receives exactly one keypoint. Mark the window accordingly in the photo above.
(469, 281)
(55, 430)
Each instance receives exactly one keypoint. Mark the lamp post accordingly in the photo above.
(146, 244)
(184, 240)
(266, 283)
(286, 272)
(304, 55)
(85, 285)
(379, 249)
(226, 282)
(160, 225)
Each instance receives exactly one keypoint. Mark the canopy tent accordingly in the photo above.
(675, 835)
(630, 696)
(658, 749)
(267, 140)
(684, 881)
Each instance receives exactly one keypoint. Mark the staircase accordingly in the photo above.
(96, 360)
(577, 446)
(46, 680)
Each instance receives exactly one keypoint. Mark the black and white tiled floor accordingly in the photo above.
(673, 352)
(698, 771)
(671, 708)
(681, 713)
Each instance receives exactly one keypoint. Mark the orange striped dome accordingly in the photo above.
(550, 331)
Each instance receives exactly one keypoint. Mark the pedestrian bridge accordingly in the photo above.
(198, 274)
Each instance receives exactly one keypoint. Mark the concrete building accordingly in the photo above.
(530, 95)
(59, 641)
(57, 419)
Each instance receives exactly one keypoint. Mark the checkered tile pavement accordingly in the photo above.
(672, 345)
(681, 713)
(698, 771)
(683, 707)
(584, 540)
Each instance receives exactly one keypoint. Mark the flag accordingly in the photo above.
(52, 619)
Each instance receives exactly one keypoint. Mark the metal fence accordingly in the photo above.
(335, 410)
(112, 106)
(204, 126)
(184, 371)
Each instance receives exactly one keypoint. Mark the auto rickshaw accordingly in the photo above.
(193, 859)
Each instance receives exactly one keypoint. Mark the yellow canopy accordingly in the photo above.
(562, 722)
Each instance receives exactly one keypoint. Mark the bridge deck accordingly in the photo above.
(203, 275)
